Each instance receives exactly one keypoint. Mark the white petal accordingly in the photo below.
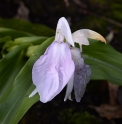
(52, 71)
(63, 30)
(76, 54)
(33, 93)
(69, 88)
(81, 36)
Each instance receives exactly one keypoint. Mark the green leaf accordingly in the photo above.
(18, 102)
(10, 65)
(105, 61)
(5, 39)
(13, 33)
(36, 40)
(9, 45)
(22, 25)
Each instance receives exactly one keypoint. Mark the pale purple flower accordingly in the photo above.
(53, 70)
(63, 65)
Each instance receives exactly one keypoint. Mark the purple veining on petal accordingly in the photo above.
(52, 71)
(81, 78)
(81, 75)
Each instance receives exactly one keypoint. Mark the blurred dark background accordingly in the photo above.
(102, 102)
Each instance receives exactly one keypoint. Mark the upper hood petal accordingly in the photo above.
(63, 30)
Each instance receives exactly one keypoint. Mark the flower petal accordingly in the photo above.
(52, 71)
(81, 75)
(63, 30)
(81, 36)
(81, 79)
(33, 93)
(69, 88)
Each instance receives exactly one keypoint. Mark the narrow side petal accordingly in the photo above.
(33, 93)
(69, 88)
(64, 30)
(52, 71)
